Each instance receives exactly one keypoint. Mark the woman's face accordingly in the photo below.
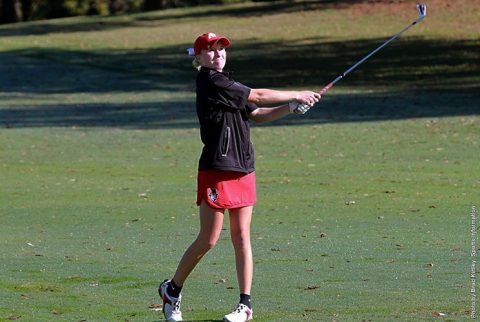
(214, 57)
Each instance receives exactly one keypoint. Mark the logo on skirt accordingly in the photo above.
(212, 194)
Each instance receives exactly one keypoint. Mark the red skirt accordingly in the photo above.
(226, 189)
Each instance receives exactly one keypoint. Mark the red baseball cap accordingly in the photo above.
(208, 39)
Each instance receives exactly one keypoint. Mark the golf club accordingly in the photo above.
(422, 12)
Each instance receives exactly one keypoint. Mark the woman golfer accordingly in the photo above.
(226, 175)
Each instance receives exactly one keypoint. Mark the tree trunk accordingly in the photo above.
(92, 8)
(116, 6)
(150, 5)
(26, 9)
(57, 9)
(8, 12)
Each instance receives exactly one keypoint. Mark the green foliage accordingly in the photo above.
(45, 9)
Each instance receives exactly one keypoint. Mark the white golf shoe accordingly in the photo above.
(171, 305)
(242, 313)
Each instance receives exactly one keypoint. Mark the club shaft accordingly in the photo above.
(326, 88)
(373, 52)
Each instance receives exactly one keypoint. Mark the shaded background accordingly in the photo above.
(85, 72)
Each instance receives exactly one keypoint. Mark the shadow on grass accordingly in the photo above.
(181, 114)
(260, 9)
(410, 62)
(52, 71)
(413, 77)
(405, 64)
(141, 115)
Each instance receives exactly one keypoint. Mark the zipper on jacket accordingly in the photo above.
(226, 141)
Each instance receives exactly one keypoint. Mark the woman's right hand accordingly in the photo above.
(307, 97)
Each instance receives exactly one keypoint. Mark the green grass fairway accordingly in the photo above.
(364, 203)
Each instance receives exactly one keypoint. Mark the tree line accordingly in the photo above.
(25, 10)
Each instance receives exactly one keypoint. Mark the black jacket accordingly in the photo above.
(223, 110)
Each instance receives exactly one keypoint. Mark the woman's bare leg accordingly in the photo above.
(211, 221)
(240, 220)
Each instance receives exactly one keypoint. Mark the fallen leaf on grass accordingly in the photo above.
(435, 313)
(312, 310)
(155, 307)
(56, 312)
(14, 317)
(220, 281)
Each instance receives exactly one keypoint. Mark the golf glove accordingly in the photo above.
(298, 108)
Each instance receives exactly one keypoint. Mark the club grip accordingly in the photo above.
(303, 108)
(325, 89)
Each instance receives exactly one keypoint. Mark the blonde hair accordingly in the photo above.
(196, 64)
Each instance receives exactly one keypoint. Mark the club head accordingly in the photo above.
(422, 10)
